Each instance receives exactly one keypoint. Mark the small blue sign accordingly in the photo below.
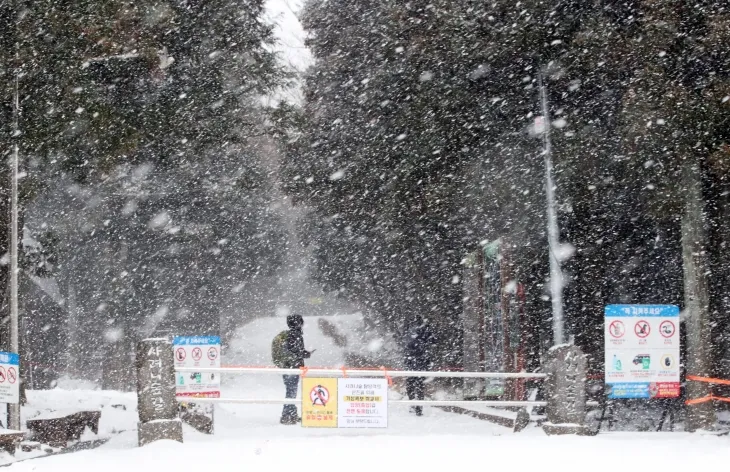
(9, 358)
(629, 390)
(195, 340)
(664, 311)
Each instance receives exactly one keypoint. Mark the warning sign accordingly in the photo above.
(642, 329)
(319, 402)
(197, 354)
(189, 354)
(9, 385)
(617, 329)
(667, 328)
(643, 363)
(363, 403)
(213, 353)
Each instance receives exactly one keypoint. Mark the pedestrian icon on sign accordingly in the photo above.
(319, 396)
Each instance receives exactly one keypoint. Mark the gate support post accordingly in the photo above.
(156, 403)
(565, 390)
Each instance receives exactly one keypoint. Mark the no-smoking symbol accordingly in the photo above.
(197, 354)
(667, 329)
(212, 353)
(180, 354)
(642, 329)
(617, 329)
(12, 375)
(319, 396)
(3, 375)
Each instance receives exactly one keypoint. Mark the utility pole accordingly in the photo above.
(14, 408)
(553, 232)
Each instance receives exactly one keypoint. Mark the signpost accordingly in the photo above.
(9, 384)
(188, 352)
(642, 351)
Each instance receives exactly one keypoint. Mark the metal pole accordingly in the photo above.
(14, 408)
(556, 276)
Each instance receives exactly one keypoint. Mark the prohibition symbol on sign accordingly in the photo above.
(319, 395)
(180, 354)
(2, 375)
(12, 375)
(212, 353)
(642, 329)
(617, 329)
(667, 329)
(197, 354)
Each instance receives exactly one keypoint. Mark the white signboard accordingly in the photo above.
(362, 403)
(192, 352)
(642, 351)
(9, 377)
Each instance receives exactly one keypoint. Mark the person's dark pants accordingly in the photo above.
(290, 411)
(414, 389)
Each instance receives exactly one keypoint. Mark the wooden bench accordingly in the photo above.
(57, 431)
(10, 440)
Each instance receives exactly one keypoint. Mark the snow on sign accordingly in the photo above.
(9, 385)
(189, 354)
(643, 360)
(363, 403)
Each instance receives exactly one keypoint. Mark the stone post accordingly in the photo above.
(158, 418)
(565, 391)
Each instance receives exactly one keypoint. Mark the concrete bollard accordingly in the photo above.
(565, 391)
(158, 418)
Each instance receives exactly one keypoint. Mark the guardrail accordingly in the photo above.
(362, 372)
(564, 388)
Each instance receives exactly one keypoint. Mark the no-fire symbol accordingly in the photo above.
(12, 375)
(319, 396)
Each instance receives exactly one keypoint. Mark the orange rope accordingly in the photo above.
(706, 399)
(304, 370)
(344, 372)
(387, 377)
(710, 397)
(711, 380)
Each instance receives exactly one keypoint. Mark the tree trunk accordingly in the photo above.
(696, 297)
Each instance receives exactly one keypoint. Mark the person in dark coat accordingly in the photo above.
(294, 359)
(418, 344)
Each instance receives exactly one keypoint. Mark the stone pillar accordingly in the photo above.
(565, 391)
(158, 418)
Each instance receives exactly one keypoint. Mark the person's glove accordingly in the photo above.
(308, 354)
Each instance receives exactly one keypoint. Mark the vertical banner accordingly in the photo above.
(192, 352)
(319, 402)
(642, 351)
(363, 403)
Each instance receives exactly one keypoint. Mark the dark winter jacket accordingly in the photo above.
(295, 342)
(418, 345)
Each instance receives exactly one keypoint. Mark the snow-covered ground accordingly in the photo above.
(249, 437)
